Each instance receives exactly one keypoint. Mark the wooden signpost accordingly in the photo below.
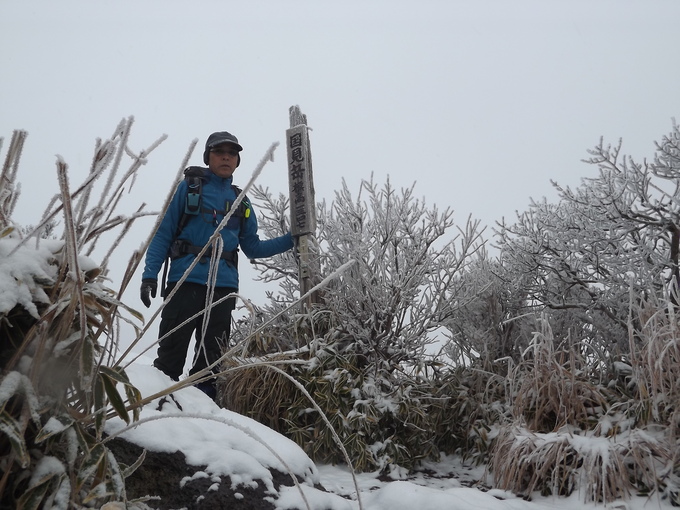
(302, 202)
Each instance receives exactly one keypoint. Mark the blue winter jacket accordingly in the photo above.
(198, 230)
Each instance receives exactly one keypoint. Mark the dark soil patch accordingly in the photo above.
(161, 473)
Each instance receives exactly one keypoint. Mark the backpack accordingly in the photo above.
(194, 177)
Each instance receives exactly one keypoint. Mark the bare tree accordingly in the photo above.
(615, 236)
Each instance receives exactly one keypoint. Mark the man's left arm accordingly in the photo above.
(255, 248)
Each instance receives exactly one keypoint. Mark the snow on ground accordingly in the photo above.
(237, 446)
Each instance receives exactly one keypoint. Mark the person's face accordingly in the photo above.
(223, 159)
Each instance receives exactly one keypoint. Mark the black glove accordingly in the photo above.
(149, 286)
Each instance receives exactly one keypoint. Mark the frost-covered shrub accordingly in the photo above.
(58, 324)
(383, 424)
(369, 347)
(616, 235)
(652, 372)
(487, 328)
(604, 435)
(600, 269)
(601, 468)
(558, 464)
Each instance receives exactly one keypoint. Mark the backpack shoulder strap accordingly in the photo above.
(194, 177)
(244, 206)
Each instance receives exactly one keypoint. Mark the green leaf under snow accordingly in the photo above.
(99, 401)
(131, 392)
(117, 374)
(92, 462)
(33, 497)
(98, 491)
(16, 383)
(48, 470)
(128, 470)
(55, 425)
(87, 362)
(13, 430)
(114, 397)
(116, 481)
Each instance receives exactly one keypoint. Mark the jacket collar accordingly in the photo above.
(216, 178)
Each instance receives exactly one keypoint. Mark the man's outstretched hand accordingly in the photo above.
(148, 290)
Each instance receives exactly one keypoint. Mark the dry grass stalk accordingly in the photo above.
(254, 390)
(655, 359)
(9, 191)
(557, 444)
(601, 469)
(558, 464)
(549, 392)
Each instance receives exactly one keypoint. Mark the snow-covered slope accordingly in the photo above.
(230, 448)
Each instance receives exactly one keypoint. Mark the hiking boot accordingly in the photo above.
(208, 388)
(176, 379)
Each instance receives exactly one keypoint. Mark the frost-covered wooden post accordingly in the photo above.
(302, 202)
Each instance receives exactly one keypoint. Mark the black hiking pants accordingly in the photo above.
(187, 302)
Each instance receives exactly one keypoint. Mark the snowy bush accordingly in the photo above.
(615, 236)
(594, 396)
(58, 324)
(370, 346)
(568, 433)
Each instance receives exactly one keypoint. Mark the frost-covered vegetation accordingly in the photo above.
(553, 361)
(59, 325)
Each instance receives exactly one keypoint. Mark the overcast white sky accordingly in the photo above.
(480, 102)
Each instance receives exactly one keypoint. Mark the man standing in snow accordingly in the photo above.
(197, 208)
